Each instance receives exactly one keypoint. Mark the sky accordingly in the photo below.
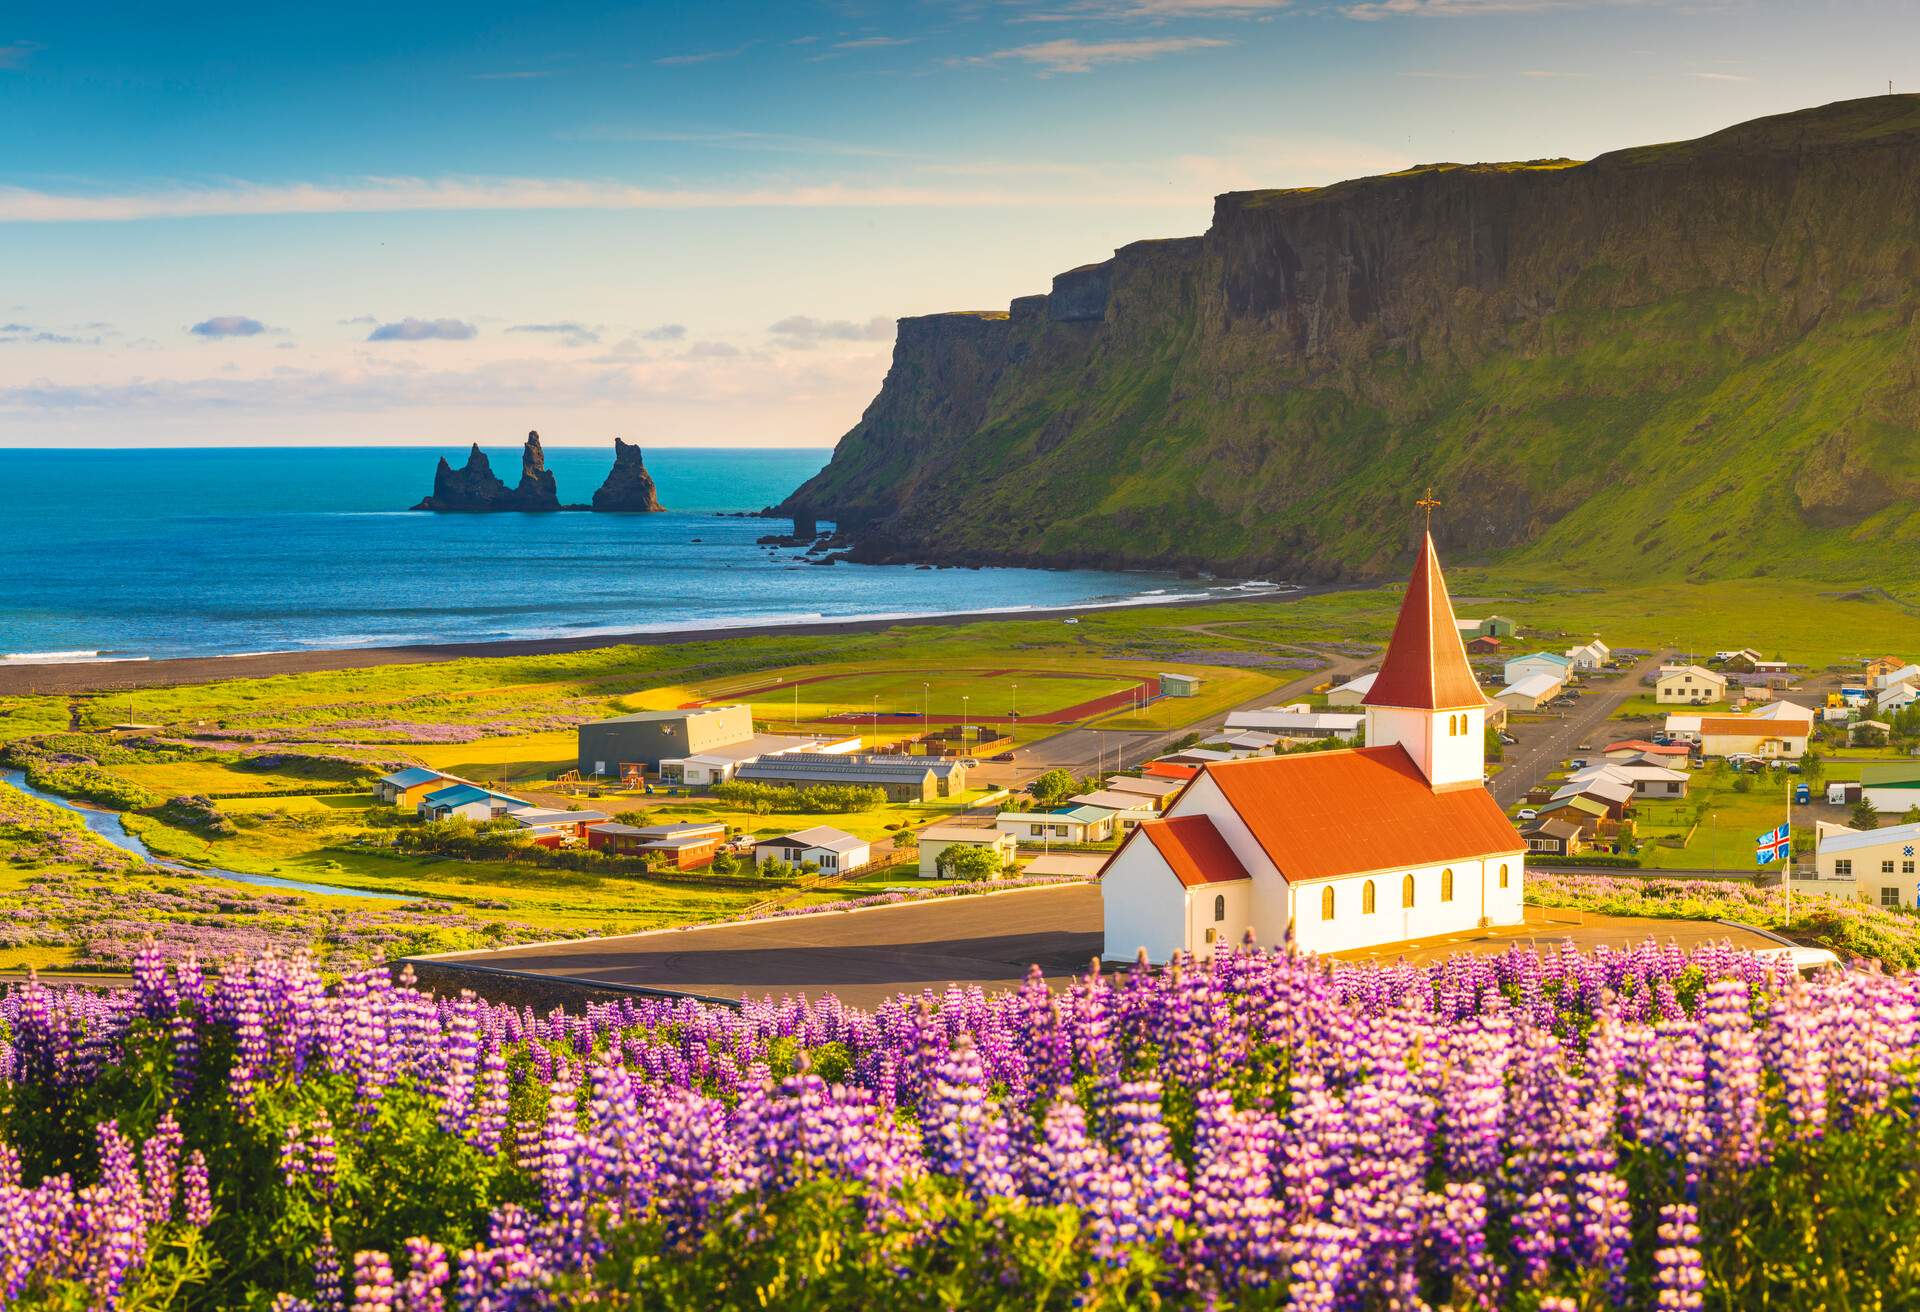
(695, 224)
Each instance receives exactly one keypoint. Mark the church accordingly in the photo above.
(1372, 845)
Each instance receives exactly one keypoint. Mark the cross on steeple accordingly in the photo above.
(1428, 504)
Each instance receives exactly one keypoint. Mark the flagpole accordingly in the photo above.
(1789, 876)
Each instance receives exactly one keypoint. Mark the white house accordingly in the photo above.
(1589, 656)
(1351, 693)
(1534, 663)
(1296, 722)
(467, 802)
(1348, 849)
(1879, 861)
(716, 765)
(824, 846)
(1754, 735)
(1160, 790)
(1129, 809)
(935, 839)
(1529, 693)
(1652, 781)
(1063, 824)
(1897, 698)
(1689, 685)
(1895, 677)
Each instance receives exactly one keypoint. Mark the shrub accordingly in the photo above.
(823, 799)
(968, 861)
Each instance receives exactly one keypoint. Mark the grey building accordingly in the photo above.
(902, 778)
(647, 737)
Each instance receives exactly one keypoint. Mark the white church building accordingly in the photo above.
(1356, 848)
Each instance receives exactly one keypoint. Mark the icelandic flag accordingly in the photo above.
(1774, 845)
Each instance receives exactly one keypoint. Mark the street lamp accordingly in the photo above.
(1016, 701)
(923, 708)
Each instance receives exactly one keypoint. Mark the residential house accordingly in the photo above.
(1530, 693)
(464, 801)
(1343, 849)
(1616, 796)
(1243, 744)
(1897, 698)
(1881, 665)
(1351, 693)
(935, 839)
(1628, 749)
(1689, 685)
(1868, 731)
(1590, 656)
(1587, 813)
(1554, 837)
(405, 788)
(1738, 658)
(1157, 791)
(1063, 824)
(1483, 646)
(1881, 862)
(687, 846)
(1535, 663)
(1179, 771)
(1754, 735)
(556, 828)
(1655, 782)
(1493, 626)
(1129, 809)
(832, 850)
(1893, 678)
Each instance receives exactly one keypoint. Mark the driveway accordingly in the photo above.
(1545, 744)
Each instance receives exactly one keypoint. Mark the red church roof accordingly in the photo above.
(1323, 814)
(1425, 666)
(1193, 850)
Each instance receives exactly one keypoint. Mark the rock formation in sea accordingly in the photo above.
(629, 486)
(475, 487)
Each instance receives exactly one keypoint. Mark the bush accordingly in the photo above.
(823, 799)
(967, 861)
(198, 814)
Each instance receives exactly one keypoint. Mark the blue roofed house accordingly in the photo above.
(404, 788)
(464, 801)
(1539, 662)
(1063, 824)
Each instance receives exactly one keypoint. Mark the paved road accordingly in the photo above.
(1544, 745)
(863, 957)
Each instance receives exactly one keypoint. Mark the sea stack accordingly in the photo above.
(475, 487)
(629, 487)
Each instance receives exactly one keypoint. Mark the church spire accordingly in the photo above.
(1425, 667)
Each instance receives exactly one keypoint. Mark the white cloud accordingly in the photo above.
(666, 332)
(422, 330)
(1069, 55)
(15, 54)
(712, 351)
(801, 330)
(1724, 77)
(1154, 9)
(571, 334)
(701, 56)
(439, 195)
(873, 42)
(1374, 10)
(228, 325)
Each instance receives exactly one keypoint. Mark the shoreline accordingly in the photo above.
(89, 677)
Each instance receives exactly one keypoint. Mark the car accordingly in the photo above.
(1526, 813)
(1577, 763)
(1508, 739)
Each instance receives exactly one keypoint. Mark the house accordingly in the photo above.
(832, 850)
(464, 801)
(717, 764)
(1063, 824)
(1895, 677)
(555, 828)
(1897, 698)
(1243, 744)
(901, 778)
(1629, 748)
(1647, 781)
(1868, 731)
(1771, 669)
(1159, 791)
(1590, 656)
(685, 846)
(1683, 728)
(1614, 794)
(1739, 658)
(1891, 787)
(1539, 662)
(1351, 693)
(935, 839)
(1179, 771)
(1129, 809)
(1754, 735)
(1530, 693)
(1297, 722)
(1493, 626)
(1881, 665)
(1586, 813)
(1344, 849)
(1196, 757)
(1555, 837)
(645, 738)
(1781, 709)
(1483, 646)
(1689, 685)
(405, 788)
(1179, 685)
(1881, 862)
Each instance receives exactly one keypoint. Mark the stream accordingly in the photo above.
(111, 826)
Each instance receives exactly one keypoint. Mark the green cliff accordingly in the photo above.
(1690, 360)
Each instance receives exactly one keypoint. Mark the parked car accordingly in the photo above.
(1508, 738)
(1526, 813)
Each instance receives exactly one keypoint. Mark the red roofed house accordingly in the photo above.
(1351, 849)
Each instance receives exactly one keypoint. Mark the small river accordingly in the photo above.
(111, 826)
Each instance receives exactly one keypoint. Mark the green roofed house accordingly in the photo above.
(1064, 824)
(1892, 787)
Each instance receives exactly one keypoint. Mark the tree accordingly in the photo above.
(722, 862)
(1812, 766)
(1864, 816)
(969, 861)
(1051, 787)
(1743, 783)
(1495, 748)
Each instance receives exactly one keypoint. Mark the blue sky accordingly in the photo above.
(695, 224)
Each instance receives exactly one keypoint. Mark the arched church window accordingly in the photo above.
(1219, 906)
(1406, 891)
(1366, 898)
(1446, 884)
(1503, 874)
(1326, 903)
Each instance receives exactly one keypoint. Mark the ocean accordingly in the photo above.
(146, 554)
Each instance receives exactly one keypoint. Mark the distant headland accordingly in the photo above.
(475, 489)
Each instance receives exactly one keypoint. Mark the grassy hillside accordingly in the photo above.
(1688, 361)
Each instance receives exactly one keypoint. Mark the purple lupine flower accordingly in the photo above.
(372, 1283)
(1678, 1277)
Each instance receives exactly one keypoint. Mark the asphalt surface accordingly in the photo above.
(1544, 745)
(863, 957)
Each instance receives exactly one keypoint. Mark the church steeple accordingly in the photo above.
(1425, 697)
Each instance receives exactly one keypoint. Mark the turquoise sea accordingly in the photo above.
(143, 554)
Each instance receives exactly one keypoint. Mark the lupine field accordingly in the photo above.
(1641, 1129)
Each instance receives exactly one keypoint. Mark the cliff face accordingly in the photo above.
(1692, 359)
(475, 487)
(629, 487)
